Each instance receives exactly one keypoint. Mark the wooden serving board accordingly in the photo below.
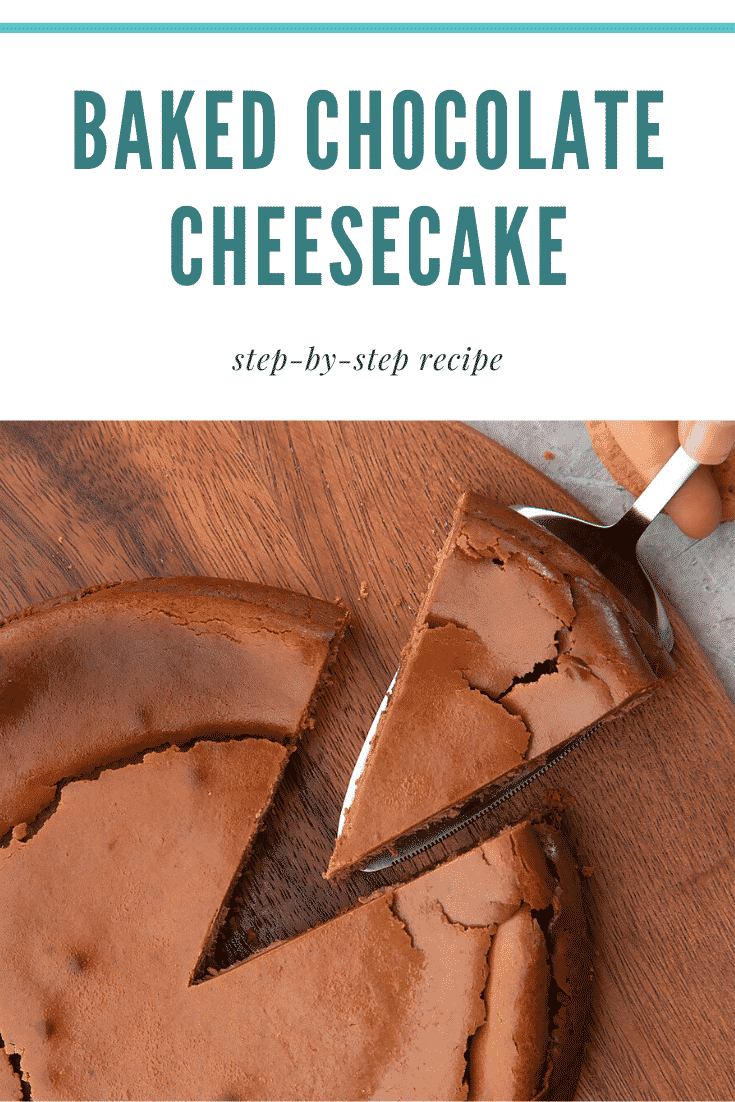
(331, 509)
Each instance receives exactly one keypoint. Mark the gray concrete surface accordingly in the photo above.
(697, 576)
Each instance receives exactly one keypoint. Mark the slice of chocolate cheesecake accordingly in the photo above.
(519, 645)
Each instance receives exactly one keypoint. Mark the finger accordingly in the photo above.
(696, 508)
(707, 441)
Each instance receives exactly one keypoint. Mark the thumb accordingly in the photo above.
(707, 441)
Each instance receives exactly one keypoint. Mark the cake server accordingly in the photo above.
(612, 547)
(612, 550)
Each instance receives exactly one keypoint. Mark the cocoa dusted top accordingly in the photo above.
(519, 645)
(384, 1002)
(99, 675)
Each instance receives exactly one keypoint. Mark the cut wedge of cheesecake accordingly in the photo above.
(519, 645)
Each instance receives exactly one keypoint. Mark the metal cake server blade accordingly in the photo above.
(612, 550)
(411, 845)
(612, 547)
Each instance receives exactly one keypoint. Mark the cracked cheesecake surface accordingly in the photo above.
(105, 911)
(414, 994)
(101, 674)
(10, 1087)
(519, 645)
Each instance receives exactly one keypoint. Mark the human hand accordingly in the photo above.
(696, 508)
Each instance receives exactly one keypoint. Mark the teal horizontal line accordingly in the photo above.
(367, 28)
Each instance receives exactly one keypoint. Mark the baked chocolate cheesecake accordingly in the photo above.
(519, 645)
(471, 981)
(101, 674)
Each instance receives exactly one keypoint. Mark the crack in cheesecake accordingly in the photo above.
(106, 673)
(519, 646)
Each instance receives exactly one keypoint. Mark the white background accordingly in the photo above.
(94, 324)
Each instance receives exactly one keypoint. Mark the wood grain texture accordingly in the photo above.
(333, 508)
